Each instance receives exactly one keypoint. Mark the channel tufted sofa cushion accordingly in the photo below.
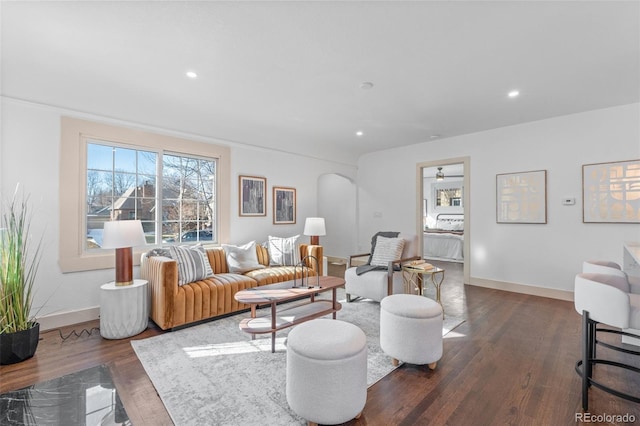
(174, 305)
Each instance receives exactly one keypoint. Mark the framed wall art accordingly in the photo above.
(284, 205)
(611, 192)
(253, 201)
(521, 197)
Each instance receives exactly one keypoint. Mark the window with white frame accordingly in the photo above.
(176, 187)
(188, 198)
(173, 195)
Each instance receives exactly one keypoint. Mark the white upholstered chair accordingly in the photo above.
(379, 283)
(611, 268)
(605, 299)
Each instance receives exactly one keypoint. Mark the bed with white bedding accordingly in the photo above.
(446, 241)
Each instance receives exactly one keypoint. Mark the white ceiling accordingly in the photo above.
(287, 75)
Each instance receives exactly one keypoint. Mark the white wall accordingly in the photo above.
(546, 255)
(30, 146)
(280, 169)
(337, 204)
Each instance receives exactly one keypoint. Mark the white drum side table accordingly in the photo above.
(124, 310)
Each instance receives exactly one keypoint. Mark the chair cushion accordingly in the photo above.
(326, 339)
(387, 250)
(372, 285)
(411, 306)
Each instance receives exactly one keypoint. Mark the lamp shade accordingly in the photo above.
(122, 233)
(314, 226)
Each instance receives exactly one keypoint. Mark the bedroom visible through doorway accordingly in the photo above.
(442, 220)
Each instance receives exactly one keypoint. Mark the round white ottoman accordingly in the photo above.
(411, 329)
(327, 371)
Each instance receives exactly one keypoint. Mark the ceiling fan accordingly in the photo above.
(440, 175)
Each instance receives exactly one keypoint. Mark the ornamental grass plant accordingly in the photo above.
(19, 262)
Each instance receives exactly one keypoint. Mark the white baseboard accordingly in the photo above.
(551, 293)
(53, 321)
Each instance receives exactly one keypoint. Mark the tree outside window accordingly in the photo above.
(123, 182)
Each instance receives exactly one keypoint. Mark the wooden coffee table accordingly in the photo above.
(284, 316)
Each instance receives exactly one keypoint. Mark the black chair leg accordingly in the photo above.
(592, 338)
(588, 336)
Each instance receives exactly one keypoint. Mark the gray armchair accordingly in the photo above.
(383, 281)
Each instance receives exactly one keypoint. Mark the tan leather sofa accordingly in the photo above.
(174, 306)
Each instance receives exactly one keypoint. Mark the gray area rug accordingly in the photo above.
(214, 374)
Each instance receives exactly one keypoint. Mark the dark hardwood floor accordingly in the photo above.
(511, 362)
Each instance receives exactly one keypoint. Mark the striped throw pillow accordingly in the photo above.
(193, 263)
(283, 251)
(387, 250)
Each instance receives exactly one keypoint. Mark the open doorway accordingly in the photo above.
(442, 197)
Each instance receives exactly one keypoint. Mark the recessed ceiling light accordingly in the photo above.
(192, 74)
(366, 85)
(359, 133)
(434, 136)
(513, 94)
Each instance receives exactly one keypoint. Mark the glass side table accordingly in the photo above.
(414, 282)
(124, 310)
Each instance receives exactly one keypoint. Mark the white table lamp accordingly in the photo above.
(314, 227)
(123, 235)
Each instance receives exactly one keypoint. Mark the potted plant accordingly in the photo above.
(19, 261)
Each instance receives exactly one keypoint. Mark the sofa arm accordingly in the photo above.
(315, 251)
(162, 275)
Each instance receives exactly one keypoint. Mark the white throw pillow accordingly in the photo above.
(193, 263)
(387, 249)
(283, 251)
(241, 259)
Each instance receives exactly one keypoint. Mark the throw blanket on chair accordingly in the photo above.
(368, 267)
